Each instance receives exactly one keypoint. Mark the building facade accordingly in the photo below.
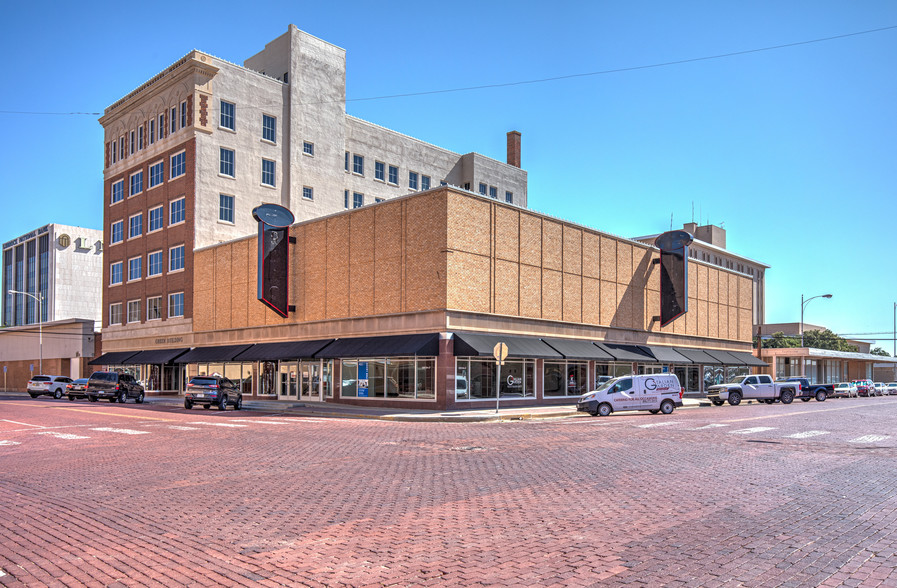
(60, 264)
(192, 151)
(400, 304)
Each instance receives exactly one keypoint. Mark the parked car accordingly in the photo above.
(809, 391)
(50, 385)
(848, 389)
(77, 388)
(652, 392)
(209, 390)
(758, 387)
(114, 386)
(891, 388)
(864, 387)
(881, 389)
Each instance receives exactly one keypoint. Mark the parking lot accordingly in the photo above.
(755, 495)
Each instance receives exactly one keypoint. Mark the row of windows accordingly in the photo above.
(357, 200)
(228, 120)
(227, 204)
(154, 265)
(386, 173)
(153, 309)
(176, 215)
(227, 166)
(492, 192)
(146, 134)
(178, 167)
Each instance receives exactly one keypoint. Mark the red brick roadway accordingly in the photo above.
(152, 495)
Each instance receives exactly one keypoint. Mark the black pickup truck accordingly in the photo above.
(114, 387)
(809, 391)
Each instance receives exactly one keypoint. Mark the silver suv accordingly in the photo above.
(50, 385)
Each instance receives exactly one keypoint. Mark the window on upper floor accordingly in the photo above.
(156, 218)
(347, 161)
(176, 258)
(133, 311)
(268, 169)
(176, 212)
(136, 183)
(132, 143)
(483, 188)
(161, 126)
(308, 148)
(115, 313)
(380, 171)
(228, 116)
(357, 200)
(115, 273)
(509, 197)
(156, 174)
(135, 225)
(308, 193)
(173, 119)
(493, 192)
(135, 268)
(140, 137)
(358, 164)
(394, 175)
(183, 114)
(226, 208)
(152, 131)
(227, 166)
(117, 232)
(118, 191)
(121, 147)
(425, 182)
(154, 308)
(178, 164)
(412, 180)
(154, 264)
(176, 305)
(269, 128)
(346, 198)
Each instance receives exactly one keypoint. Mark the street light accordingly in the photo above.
(803, 304)
(40, 325)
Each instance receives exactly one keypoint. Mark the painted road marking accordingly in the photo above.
(870, 438)
(122, 431)
(807, 434)
(711, 426)
(751, 430)
(663, 424)
(23, 424)
(180, 428)
(63, 435)
(5, 442)
(255, 422)
(218, 424)
(115, 414)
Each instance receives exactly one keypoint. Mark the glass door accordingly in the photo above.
(311, 380)
(289, 385)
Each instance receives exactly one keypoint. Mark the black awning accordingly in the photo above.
(621, 352)
(113, 358)
(748, 359)
(480, 344)
(157, 356)
(724, 356)
(285, 350)
(667, 354)
(578, 349)
(206, 354)
(387, 346)
(698, 356)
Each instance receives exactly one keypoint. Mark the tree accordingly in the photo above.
(827, 340)
(779, 340)
(880, 351)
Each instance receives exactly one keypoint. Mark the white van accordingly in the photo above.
(653, 392)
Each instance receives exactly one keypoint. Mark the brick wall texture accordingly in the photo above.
(451, 251)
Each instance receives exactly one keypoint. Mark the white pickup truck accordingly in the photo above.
(753, 387)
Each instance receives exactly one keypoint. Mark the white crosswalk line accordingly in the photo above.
(179, 428)
(63, 435)
(258, 422)
(5, 442)
(807, 434)
(122, 431)
(870, 438)
(663, 424)
(751, 430)
(218, 424)
(710, 426)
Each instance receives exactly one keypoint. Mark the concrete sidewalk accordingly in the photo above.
(486, 413)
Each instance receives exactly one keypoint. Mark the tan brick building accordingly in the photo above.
(409, 295)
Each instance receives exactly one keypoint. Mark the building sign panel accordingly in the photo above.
(673, 247)
(273, 252)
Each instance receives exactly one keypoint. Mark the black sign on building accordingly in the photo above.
(274, 256)
(673, 247)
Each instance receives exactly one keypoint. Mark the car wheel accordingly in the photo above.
(239, 403)
(57, 394)
(667, 407)
(821, 396)
(123, 397)
(717, 402)
(787, 396)
(654, 411)
(140, 397)
(604, 409)
(33, 395)
(188, 404)
(734, 398)
(71, 398)
(222, 405)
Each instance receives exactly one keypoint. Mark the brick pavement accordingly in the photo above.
(276, 500)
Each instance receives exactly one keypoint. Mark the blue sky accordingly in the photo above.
(793, 151)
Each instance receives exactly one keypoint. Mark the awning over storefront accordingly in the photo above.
(621, 352)
(578, 349)
(386, 346)
(667, 354)
(698, 356)
(113, 358)
(724, 357)
(748, 359)
(157, 356)
(213, 354)
(478, 344)
(285, 350)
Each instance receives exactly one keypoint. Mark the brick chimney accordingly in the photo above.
(514, 148)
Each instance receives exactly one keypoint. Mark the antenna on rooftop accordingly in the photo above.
(671, 221)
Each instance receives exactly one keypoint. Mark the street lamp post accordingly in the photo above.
(803, 304)
(40, 326)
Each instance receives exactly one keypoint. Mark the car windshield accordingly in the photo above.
(607, 384)
(736, 380)
(40, 379)
(204, 381)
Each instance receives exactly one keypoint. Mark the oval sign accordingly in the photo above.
(273, 215)
(672, 240)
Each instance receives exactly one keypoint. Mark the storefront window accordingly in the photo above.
(714, 374)
(267, 378)
(607, 371)
(553, 379)
(475, 379)
(426, 379)
(810, 369)
(406, 378)
(693, 379)
(350, 374)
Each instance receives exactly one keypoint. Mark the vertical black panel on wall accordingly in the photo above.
(274, 256)
(673, 247)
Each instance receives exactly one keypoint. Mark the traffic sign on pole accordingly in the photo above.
(500, 353)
